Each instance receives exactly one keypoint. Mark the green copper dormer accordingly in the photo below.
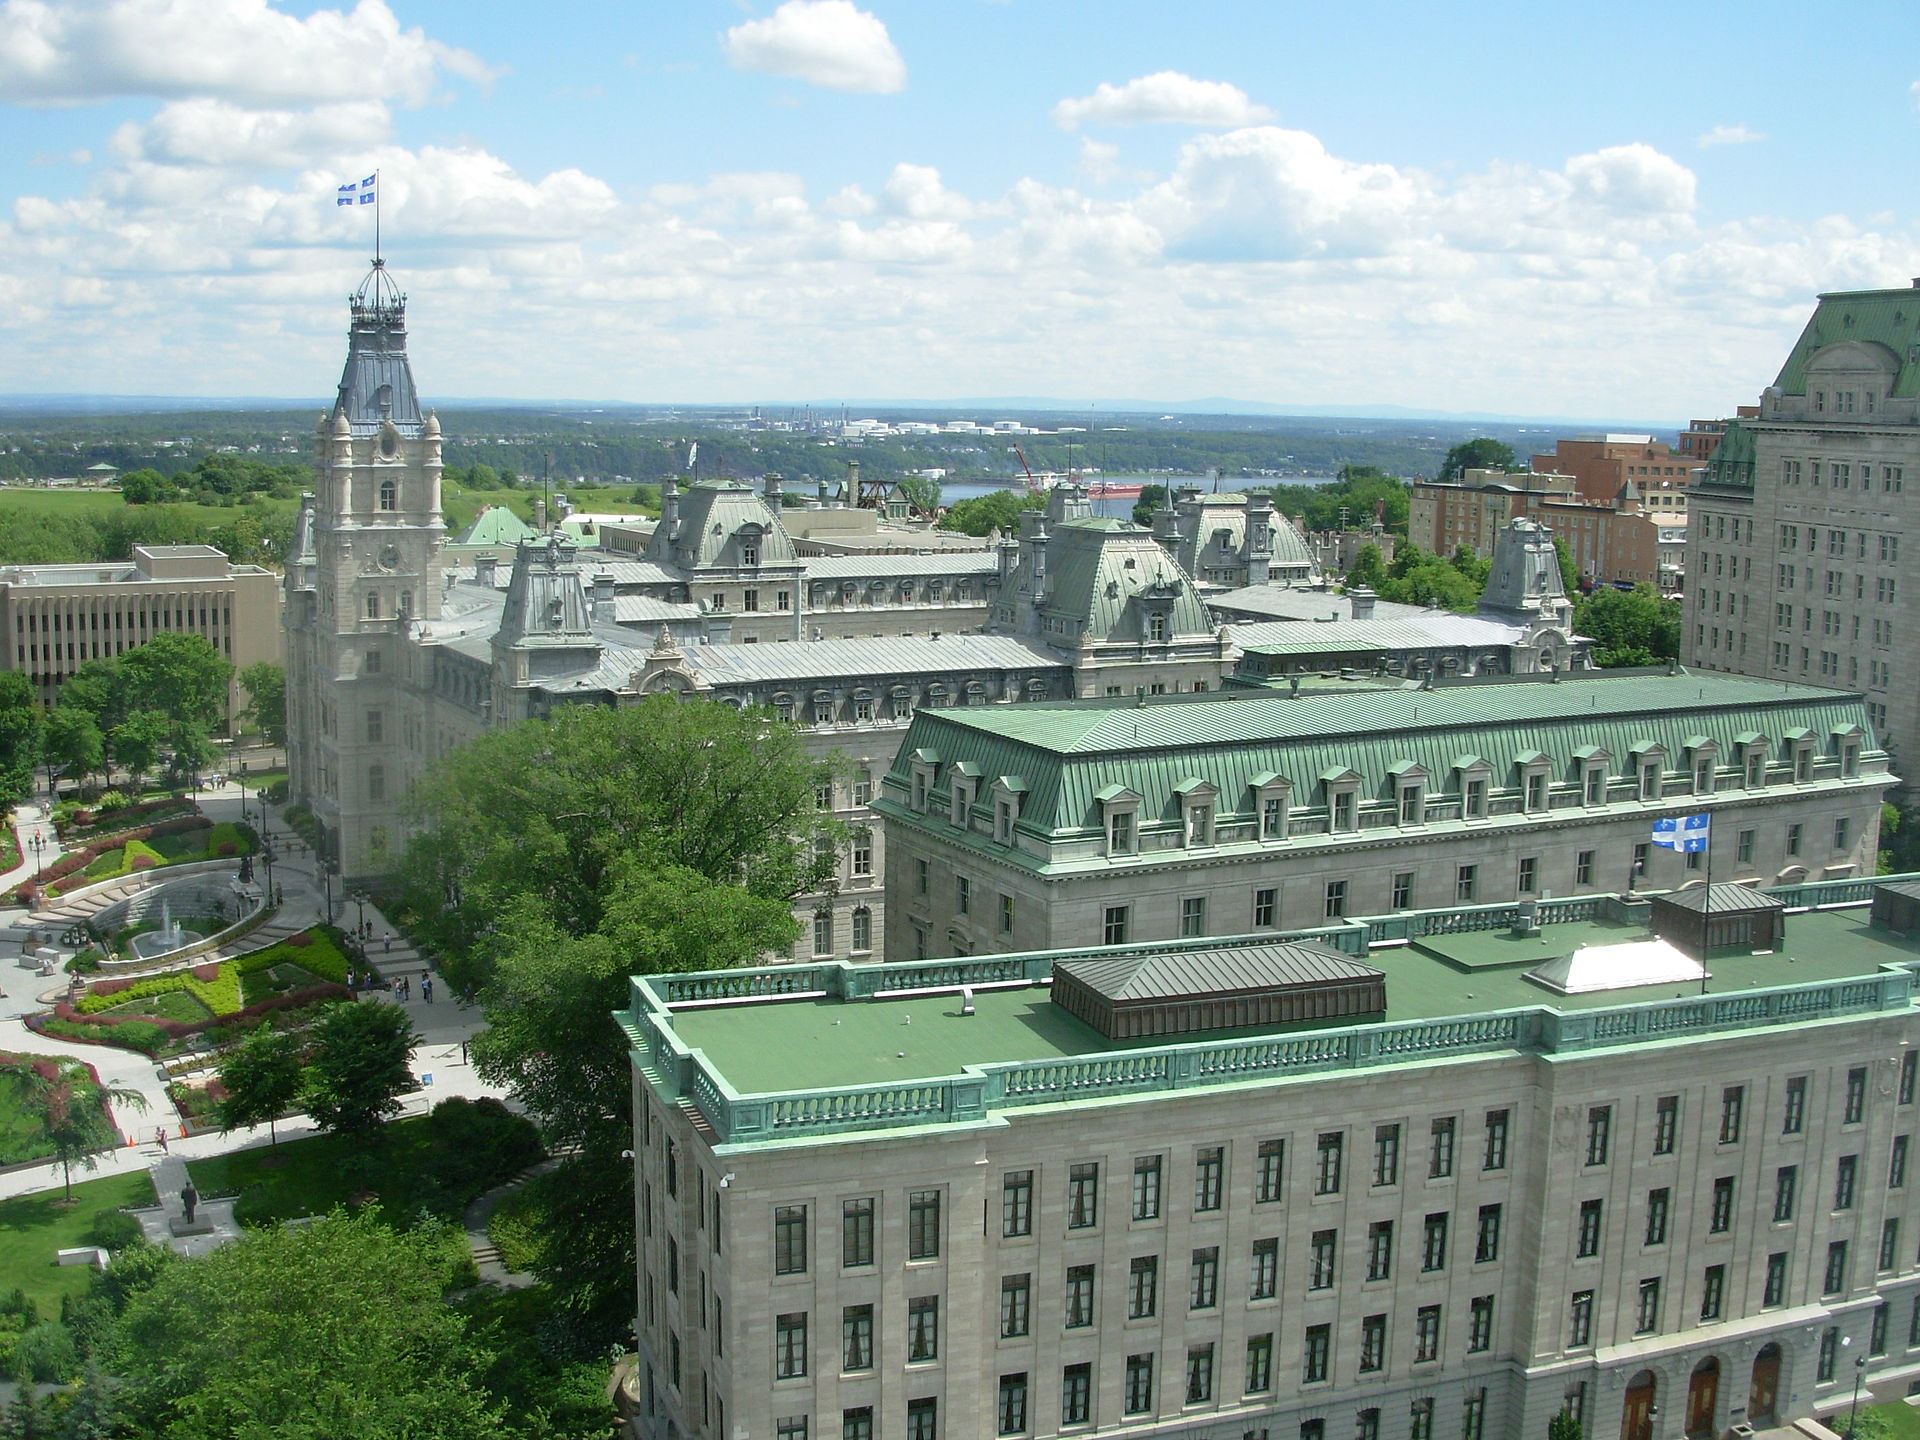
(721, 525)
(1732, 465)
(1111, 582)
(376, 387)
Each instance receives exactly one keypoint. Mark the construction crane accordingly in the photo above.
(1033, 485)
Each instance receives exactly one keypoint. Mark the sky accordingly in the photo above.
(1609, 212)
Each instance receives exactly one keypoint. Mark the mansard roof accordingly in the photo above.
(1886, 319)
(1100, 570)
(377, 384)
(1069, 752)
(712, 516)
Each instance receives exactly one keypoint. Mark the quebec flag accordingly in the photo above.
(1682, 832)
(361, 192)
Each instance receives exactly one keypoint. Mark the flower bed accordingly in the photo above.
(217, 985)
(48, 880)
(84, 824)
(164, 1037)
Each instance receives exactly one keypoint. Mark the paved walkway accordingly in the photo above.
(443, 1025)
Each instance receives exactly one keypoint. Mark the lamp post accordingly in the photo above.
(326, 883)
(266, 854)
(360, 905)
(1853, 1411)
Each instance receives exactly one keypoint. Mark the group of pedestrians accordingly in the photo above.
(403, 987)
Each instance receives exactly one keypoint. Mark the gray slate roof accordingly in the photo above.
(1426, 630)
(1238, 970)
(861, 567)
(1725, 899)
(876, 656)
(1306, 604)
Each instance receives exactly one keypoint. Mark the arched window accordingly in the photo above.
(862, 929)
(823, 932)
(389, 495)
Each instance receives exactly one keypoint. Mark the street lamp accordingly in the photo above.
(266, 854)
(1853, 1411)
(37, 842)
(326, 882)
(360, 904)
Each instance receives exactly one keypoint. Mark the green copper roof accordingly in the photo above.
(1108, 575)
(1889, 318)
(1070, 752)
(1733, 459)
(495, 525)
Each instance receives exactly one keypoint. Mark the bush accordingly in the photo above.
(480, 1143)
(515, 1227)
(259, 1205)
(114, 1230)
(45, 1353)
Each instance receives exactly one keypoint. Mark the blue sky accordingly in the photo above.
(1614, 212)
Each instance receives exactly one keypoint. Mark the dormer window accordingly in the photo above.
(1270, 797)
(1703, 757)
(1475, 779)
(1649, 779)
(1120, 819)
(1649, 767)
(1703, 776)
(1157, 629)
(963, 786)
(1595, 784)
(1409, 792)
(1473, 803)
(749, 554)
(923, 768)
(1849, 755)
(1197, 799)
(1753, 760)
(1008, 791)
(1343, 799)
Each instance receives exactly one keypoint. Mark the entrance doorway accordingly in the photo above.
(1636, 1421)
(1703, 1395)
(1766, 1386)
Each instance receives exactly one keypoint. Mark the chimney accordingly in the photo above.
(670, 509)
(486, 567)
(602, 588)
(1362, 599)
(770, 490)
(853, 482)
(540, 516)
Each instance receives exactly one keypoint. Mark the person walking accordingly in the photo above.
(160, 1138)
(426, 987)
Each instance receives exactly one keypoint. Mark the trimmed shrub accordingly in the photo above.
(114, 1230)
(45, 1353)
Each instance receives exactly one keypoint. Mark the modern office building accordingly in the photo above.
(1433, 1175)
(1045, 826)
(1796, 565)
(58, 617)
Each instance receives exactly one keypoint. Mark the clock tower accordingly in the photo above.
(365, 568)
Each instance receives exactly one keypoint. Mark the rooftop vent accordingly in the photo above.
(1148, 993)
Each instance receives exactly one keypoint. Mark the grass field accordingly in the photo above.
(91, 502)
(34, 1227)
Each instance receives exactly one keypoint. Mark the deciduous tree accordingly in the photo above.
(359, 1066)
(1629, 627)
(262, 1078)
(20, 735)
(1481, 454)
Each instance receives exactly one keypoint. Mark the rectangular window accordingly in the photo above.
(1877, 1332)
(1016, 1306)
(1114, 930)
(1733, 1102)
(1426, 1334)
(1440, 1149)
(1076, 1394)
(1889, 1243)
(1316, 1357)
(1657, 1205)
(1909, 1070)
(1836, 1276)
(1433, 1242)
(1775, 1290)
(1786, 1185)
(1209, 1173)
(1146, 1187)
(1013, 1404)
(1373, 1343)
(1580, 1320)
(1495, 1157)
(1856, 1102)
(1199, 1374)
(1720, 1217)
(923, 1224)
(1793, 1116)
(1464, 880)
(1259, 1363)
(1079, 1297)
(1829, 1355)
(1326, 1175)
(789, 1239)
(1270, 1168)
(1380, 1250)
(1713, 1292)
(790, 1427)
(923, 1418)
(1139, 1393)
(1193, 916)
(789, 1346)
(1203, 1279)
(1420, 1419)
(1083, 1196)
(1486, 1243)
(1897, 1164)
(1473, 1415)
(1743, 847)
(1529, 874)
(1666, 1124)
(1265, 907)
(1386, 1155)
(1016, 1203)
(1583, 867)
(923, 1328)
(1845, 1172)
(1402, 890)
(856, 1337)
(1336, 900)
(1646, 1317)
(1322, 1259)
(1599, 1133)
(1587, 1241)
(1480, 1324)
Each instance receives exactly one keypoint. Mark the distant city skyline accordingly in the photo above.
(1489, 212)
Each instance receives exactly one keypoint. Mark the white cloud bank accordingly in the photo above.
(74, 52)
(1166, 97)
(830, 43)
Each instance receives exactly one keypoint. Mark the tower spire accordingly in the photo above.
(376, 387)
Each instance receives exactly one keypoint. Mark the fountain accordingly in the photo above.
(169, 937)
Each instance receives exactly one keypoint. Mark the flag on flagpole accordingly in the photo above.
(1687, 833)
(360, 192)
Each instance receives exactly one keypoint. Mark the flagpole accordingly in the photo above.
(376, 217)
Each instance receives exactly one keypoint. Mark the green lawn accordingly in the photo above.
(89, 502)
(168, 1005)
(1902, 1421)
(34, 1227)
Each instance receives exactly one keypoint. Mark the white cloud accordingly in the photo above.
(1633, 177)
(916, 192)
(1737, 134)
(1166, 97)
(831, 43)
(214, 132)
(77, 51)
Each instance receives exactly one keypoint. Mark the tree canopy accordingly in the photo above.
(20, 736)
(331, 1329)
(1481, 454)
(262, 1077)
(531, 819)
(359, 1065)
(996, 510)
(266, 687)
(1629, 627)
